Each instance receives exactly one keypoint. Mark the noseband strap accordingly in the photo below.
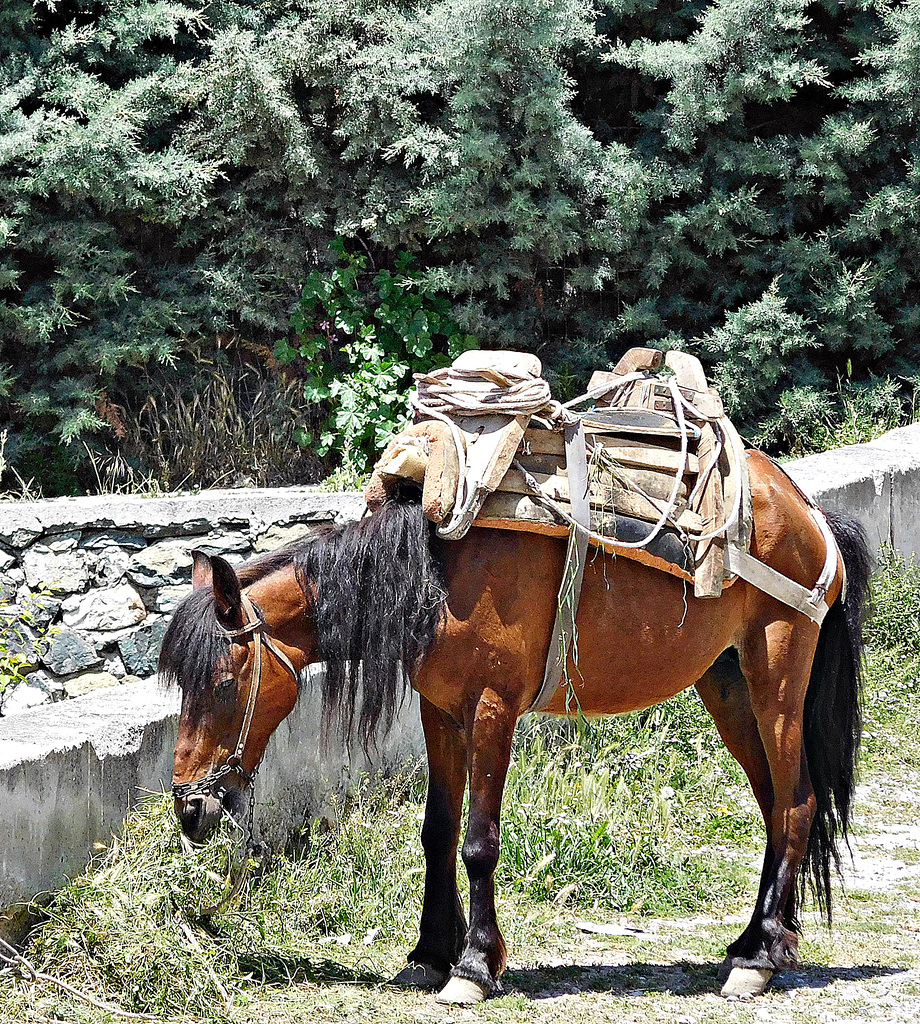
(254, 626)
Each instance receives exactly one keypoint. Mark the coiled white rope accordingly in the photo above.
(449, 392)
(484, 391)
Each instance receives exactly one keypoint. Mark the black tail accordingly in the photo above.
(377, 601)
(833, 719)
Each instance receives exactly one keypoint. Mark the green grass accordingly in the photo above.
(892, 666)
(644, 815)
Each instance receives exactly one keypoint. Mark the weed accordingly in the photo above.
(23, 490)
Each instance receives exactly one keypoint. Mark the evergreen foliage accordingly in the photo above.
(730, 176)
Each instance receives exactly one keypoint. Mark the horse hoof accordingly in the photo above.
(746, 982)
(462, 992)
(420, 976)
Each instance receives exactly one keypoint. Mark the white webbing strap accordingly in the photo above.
(812, 603)
(573, 572)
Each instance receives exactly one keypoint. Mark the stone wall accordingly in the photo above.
(87, 584)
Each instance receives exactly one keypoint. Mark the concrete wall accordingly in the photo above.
(878, 482)
(68, 772)
(71, 772)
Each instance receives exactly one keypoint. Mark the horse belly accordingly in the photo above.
(642, 637)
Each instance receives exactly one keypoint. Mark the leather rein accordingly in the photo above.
(254, 626)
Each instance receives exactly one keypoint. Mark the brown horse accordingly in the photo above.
(471, 620)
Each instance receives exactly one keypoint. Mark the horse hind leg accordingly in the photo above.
(724, 691)
(777, 662)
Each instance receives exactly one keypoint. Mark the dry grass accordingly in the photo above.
(214, 426)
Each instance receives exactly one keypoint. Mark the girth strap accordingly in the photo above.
(576, 458)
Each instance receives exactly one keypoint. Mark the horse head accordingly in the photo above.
(236, 655)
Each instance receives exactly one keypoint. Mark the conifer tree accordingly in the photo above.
(729, 176)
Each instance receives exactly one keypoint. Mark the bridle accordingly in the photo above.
(254, 626)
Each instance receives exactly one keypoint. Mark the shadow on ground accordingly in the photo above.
(680, 978)
(278, 969)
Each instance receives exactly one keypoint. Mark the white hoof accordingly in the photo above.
(462, 992)
(746, 982)
(420, 976)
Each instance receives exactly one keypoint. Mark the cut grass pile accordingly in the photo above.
(645, 814)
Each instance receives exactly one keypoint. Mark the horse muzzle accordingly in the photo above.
(198, 815)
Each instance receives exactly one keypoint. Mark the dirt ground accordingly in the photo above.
(867, 968)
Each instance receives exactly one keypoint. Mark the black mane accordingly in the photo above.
(375, 595)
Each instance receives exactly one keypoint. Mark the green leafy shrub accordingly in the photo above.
(361, 344)
(24, 638)
(810, 420)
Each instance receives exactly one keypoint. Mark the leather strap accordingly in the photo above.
(573, 572)
(812, 603)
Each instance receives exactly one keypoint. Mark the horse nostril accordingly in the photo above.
(197, 815)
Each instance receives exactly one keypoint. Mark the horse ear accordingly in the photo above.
(226, 587)
(201, 570)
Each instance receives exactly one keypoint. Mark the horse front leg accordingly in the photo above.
(443, 927)
(483, 958)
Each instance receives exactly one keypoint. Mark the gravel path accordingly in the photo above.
(866, 969)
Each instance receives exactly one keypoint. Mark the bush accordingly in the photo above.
(360, 347)
(730, 176)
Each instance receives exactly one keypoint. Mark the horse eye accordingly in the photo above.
(225, 687)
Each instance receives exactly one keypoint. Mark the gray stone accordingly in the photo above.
(223, 544)
(112, 608)
(165, 563)
(37, 688)
(17, 575)
(42, 608)
(18, 525)
(8, 588)
(66, 571)
(23, 696)
(277, 536)
(18, 638)
(68, 652)
(111, 564)
(59, 542)
(6, 559)
(101, 539)
(86, 682)
(166, 599)
(111, 661)
(140, 648)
